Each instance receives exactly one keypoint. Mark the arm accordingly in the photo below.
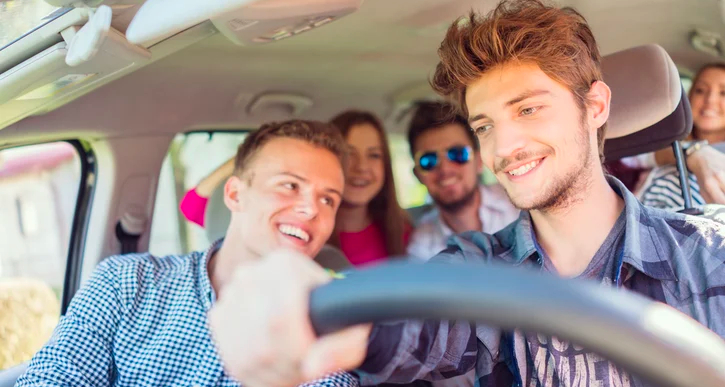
(708, 166)
(208, 184)
(80, 351)
(430, 350)
(193, 204)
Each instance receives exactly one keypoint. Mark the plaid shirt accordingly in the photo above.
(140, 321)
(668, 257)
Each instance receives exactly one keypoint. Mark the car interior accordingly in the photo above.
(130, 86)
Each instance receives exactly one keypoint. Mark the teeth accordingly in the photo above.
(449, 181)
(524, 168)
(709, 113)
(295, 232)
(359, 182)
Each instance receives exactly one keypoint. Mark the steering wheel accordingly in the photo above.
(646, 338)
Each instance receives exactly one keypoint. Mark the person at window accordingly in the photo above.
(370, 226)
(141, 320)
(528, 76)
(448, 163)
(707, 98)
(194, 203)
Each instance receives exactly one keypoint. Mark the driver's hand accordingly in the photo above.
(262, 329)
(708, 165)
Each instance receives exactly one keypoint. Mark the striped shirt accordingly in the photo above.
(662, 189)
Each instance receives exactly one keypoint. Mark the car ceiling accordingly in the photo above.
(367, 60)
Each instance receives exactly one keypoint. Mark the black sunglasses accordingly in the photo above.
(428, 160)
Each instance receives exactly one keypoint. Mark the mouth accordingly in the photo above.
(359, 182)
(709, 113)
(295, 233)
(522, 170)
(448, 182)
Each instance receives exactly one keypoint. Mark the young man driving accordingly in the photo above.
(141, 320)
(528, 77)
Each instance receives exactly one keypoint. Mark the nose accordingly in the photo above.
(307, 206)
(508, 140)
(713, 97)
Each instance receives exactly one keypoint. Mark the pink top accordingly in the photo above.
(193, 207)
(367, 246)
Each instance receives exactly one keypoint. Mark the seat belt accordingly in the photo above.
(129, 230)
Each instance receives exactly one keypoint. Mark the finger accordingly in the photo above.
(343, 350)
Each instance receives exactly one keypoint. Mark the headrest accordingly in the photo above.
(649, 107)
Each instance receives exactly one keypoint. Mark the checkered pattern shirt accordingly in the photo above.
(140, 321)
(669, 257)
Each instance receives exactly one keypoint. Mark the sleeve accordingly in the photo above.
(405, 351)
(80, 351)
(643, 161)
(193, 207)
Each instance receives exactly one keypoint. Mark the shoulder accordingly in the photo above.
(697, 235)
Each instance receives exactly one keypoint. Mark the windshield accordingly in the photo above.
(18, 17)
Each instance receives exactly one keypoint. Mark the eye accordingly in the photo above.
(529, 111)
(375, 156)
(482, 129)
(328, 201)
(291, 186)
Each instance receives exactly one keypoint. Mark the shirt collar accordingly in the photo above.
(639, 238)
(207, 295)
(490, 202)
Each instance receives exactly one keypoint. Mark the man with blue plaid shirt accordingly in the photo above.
(529, 78)
(141, 320)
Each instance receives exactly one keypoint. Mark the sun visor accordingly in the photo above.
(244, 22)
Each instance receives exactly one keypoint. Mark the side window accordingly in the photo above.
(192, 157)
(39, 187)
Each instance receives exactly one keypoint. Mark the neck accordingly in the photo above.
(223, 262)
(352, 218)
(572, 235)
(465, 218)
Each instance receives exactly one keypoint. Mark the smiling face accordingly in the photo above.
(287, 197)
(707, 99)
(365, 169)
(534, 136)
(451, 184)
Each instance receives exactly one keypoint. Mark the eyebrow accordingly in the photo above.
(302, 179)
(521, 97)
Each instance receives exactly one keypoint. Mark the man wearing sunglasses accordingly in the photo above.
(447, 162)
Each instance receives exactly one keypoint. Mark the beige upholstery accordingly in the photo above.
(645, 87)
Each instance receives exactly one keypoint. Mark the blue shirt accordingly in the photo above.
(139, 321)
(669, 257)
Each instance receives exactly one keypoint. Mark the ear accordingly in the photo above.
(599, 100)
(234, 191)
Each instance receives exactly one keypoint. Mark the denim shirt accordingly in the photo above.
(669, 257)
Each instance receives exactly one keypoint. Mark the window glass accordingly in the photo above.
(17, 17)
(38, 195)
(191, 158)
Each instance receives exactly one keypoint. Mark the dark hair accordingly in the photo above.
(384, 207)
(712, 65)
(432, 115)
(317, 133)
(558, 40)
